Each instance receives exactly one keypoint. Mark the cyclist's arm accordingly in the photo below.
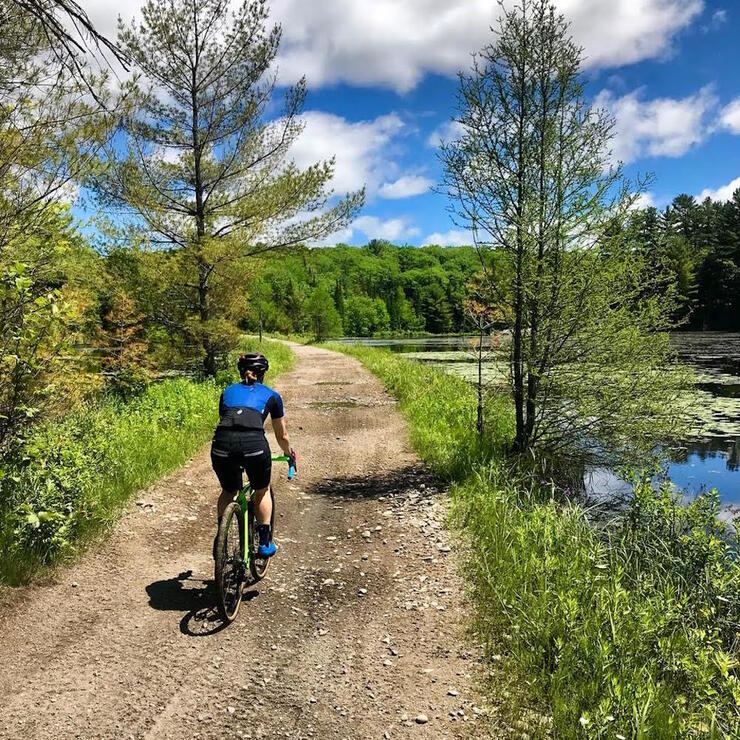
(281, 434)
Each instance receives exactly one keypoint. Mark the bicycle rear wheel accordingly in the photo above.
(229, 573)
(258, 565)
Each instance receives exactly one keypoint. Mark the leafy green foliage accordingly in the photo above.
(72, 476)
(625, 630)
(51, 130)
(122, 339)
(325, 319)
(374, 289)
(43, 311)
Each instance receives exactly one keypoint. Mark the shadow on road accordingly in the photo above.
(181, 593)
(400, 482)
(196, 597)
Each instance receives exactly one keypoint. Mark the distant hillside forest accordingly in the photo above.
(363, 291)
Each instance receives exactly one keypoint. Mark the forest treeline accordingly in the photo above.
(699, 245)
(109, 317)
(383, 288)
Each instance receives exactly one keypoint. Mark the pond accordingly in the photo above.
(710, 459)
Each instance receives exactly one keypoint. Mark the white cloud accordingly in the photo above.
(452, 238)
(405, 187)
(723, 193)
(393, 229)
(661, 127)
(729, 118)
(394, 44)
(645, 200)
(448, 131)
(618, 32)
(104, 14)
(362, 149)
(717, 20)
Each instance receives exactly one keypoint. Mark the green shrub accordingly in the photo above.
(625, 630)
(72, 476)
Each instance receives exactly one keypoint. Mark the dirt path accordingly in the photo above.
(356, 632)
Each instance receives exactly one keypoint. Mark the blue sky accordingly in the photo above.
(381, 76)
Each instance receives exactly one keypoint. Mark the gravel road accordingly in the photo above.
(357, 632)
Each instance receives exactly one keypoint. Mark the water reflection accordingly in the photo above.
(714, 351)
(706, 464)
(694, 468)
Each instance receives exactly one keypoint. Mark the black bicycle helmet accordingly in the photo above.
(253, 361)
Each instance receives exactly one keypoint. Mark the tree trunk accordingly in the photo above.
(204, 270)
(204, 312)
(479, 420)
(520, 442)
(533, 377)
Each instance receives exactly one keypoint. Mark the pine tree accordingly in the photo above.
(122, 340)
(205, 171)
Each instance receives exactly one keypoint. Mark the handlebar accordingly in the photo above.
(287, 459)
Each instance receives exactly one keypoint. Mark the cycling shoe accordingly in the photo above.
(267, 551)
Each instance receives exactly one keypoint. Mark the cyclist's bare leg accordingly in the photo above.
(224, 500)
(264, 505)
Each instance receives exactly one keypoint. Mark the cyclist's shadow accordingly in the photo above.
(196, 597)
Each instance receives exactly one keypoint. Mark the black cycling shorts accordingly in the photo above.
(230, 456)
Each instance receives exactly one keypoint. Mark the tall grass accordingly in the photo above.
(627, 630)
(72, 476)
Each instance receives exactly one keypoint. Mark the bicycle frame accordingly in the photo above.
(243, 498)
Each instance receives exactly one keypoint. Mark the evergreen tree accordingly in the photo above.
(122, 339)
(204, 171)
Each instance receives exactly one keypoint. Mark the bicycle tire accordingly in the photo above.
(229, 568)
(259, 566)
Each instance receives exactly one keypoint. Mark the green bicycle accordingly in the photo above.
(237, 544)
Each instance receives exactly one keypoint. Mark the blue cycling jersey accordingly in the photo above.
(244, 407)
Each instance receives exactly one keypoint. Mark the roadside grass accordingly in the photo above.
(628, 629)
(72, 477)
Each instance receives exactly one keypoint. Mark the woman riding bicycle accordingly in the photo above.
(239, 442)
